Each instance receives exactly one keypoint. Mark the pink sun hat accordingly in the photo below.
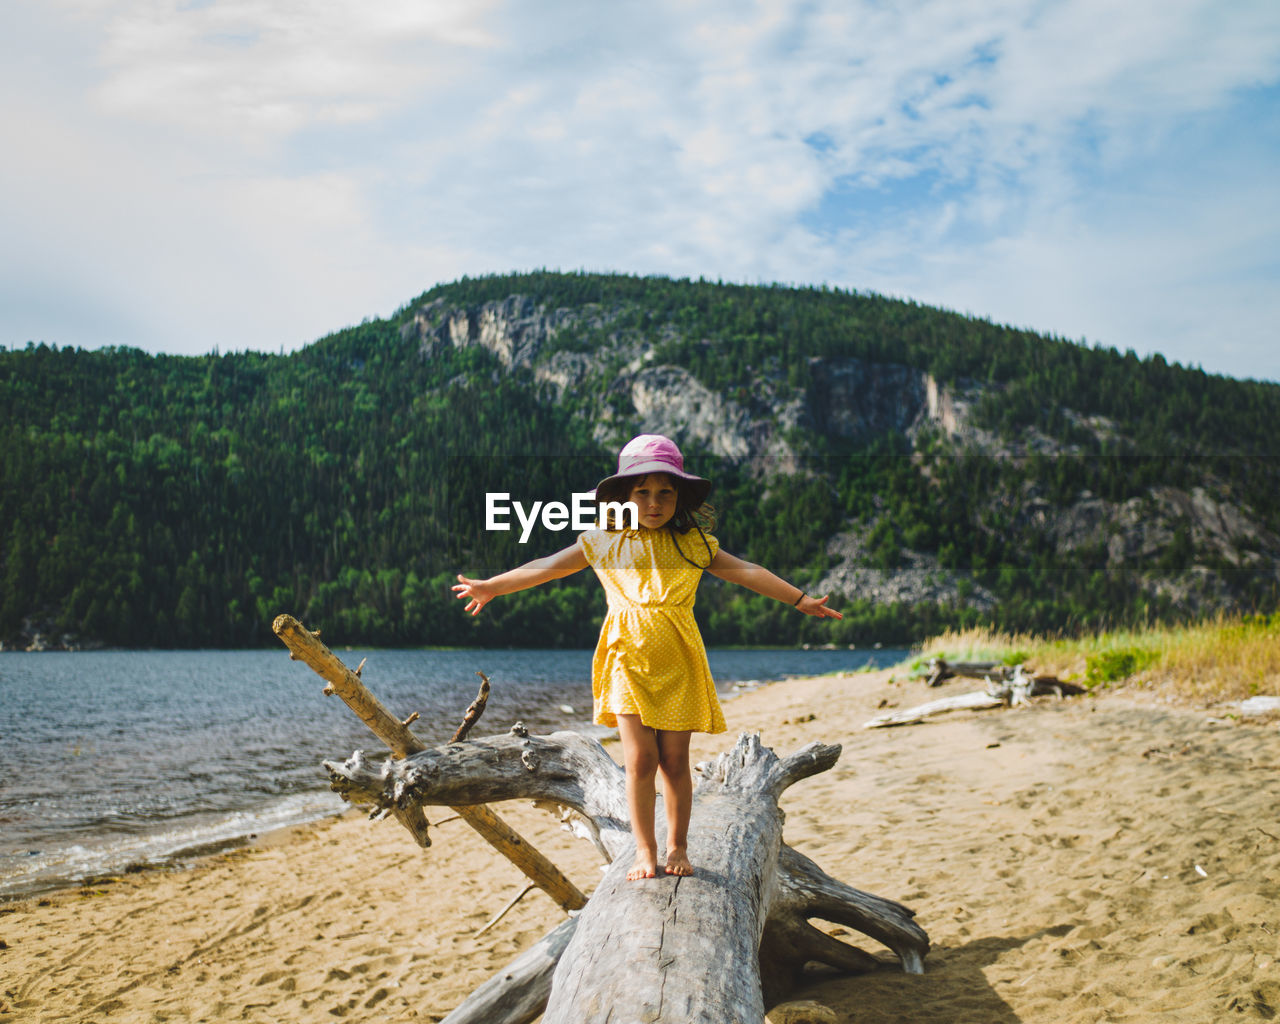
(653, 453)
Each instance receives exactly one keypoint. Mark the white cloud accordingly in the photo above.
(243, 69)
(270, 171)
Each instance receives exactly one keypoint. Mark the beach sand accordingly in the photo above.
(1094, 859)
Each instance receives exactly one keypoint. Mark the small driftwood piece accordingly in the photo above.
(474, 710)
(1017, 689)
(718, 946)
(506, 910)
(305, 645)
(975, 701)
(940, 670)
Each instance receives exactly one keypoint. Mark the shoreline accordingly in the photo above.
(73, 860)
(1103, 857)
(95, 647)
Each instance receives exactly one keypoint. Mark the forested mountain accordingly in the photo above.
(928, 468)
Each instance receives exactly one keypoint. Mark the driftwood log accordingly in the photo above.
(1007, 690)
(715, 947)
(940, 670)
(305, 645)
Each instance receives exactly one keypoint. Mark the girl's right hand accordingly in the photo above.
(477, 593)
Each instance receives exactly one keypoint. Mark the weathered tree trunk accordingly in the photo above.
(518, 994)
(685, 949)
(667, 949)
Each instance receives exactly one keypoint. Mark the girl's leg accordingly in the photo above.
(640, 757)
(677, 795)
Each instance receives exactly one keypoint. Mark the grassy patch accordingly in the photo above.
(1116, 664)
(1219, 659)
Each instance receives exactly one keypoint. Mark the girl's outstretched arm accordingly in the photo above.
(479, 593)
(756, 577)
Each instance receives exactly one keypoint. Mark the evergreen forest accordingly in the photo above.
(174, 501)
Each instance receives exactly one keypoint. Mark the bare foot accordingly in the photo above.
(678, 862)
(645, 866)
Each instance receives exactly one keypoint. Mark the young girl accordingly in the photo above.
(649, 676)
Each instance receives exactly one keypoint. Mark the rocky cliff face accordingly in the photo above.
(918, 578)
(514, 330)
(1139, 531)
(847, 398)
(854, 401)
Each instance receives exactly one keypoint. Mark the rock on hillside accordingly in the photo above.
(1138, 531)
(919, 576)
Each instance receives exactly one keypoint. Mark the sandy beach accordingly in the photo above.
(1094, 859)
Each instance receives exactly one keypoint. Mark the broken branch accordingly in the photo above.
(474, 711)
(304, 646)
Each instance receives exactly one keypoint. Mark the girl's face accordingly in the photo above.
(655, 500)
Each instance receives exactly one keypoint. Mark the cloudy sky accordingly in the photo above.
(257, 173)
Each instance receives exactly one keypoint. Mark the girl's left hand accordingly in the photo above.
(817, 607)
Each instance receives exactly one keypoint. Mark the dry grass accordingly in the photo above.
(1222, 659)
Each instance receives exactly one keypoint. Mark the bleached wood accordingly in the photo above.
(306, 646)
(941, 670)
(518, 993)
(806, 891)
(564, 768)
(686, 949)
(976, 700)
(666, 949)
(1009, 690)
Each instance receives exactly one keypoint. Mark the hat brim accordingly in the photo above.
(698, 487)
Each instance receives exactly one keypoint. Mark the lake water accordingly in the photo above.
(113, 758)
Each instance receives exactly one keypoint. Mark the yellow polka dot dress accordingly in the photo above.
(650, 660)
